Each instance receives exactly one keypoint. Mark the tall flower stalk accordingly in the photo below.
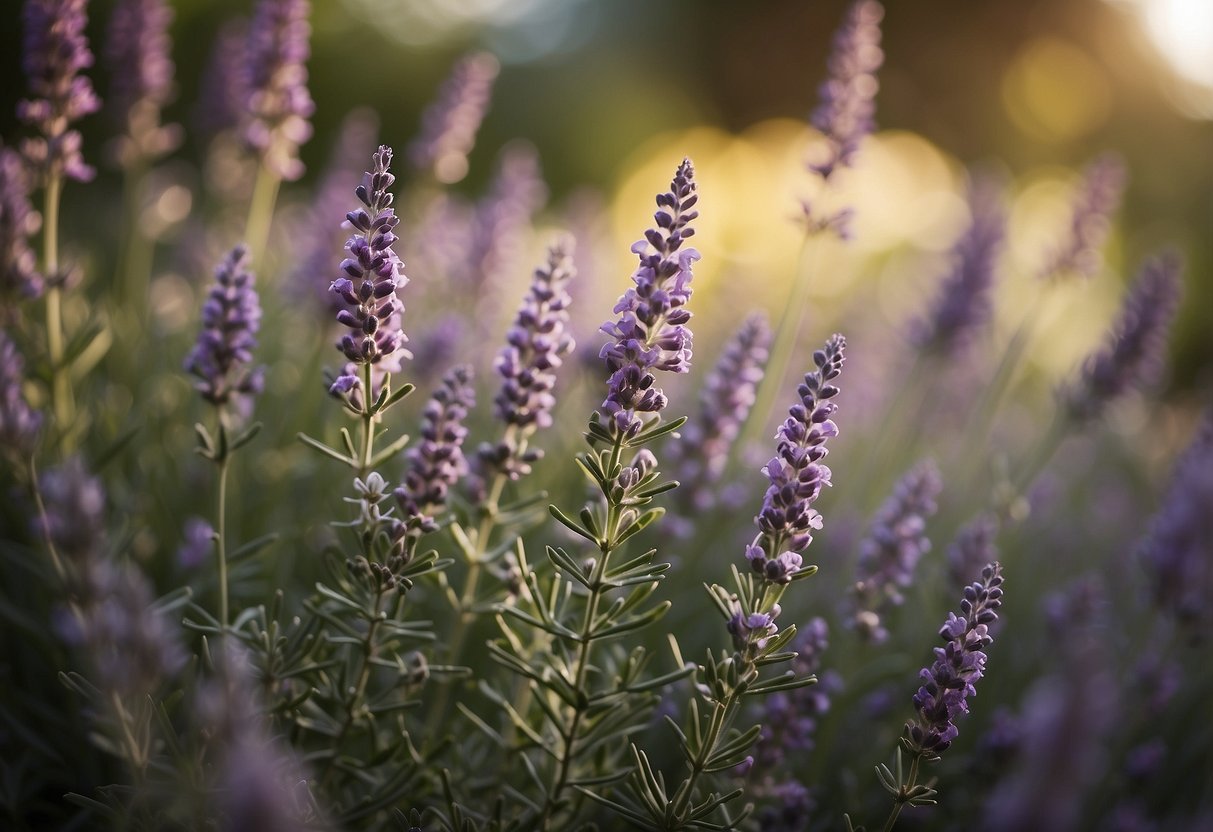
(221, 362)
(55, 53)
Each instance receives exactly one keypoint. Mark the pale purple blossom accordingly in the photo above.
(449, 124)
(278, 103)
(651, 332)
(846, 107)
(19, 275)
(138, 53)
(231, 317)
(1096, 201)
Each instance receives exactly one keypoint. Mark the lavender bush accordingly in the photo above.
(355, 608)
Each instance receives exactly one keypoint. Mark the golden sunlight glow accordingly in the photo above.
(1181, 32)
(1054, 91)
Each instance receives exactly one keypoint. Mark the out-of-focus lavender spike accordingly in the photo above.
(1065, 720)
(197, 543)
(974, 545)
(797, 474)
(323, 228)
(20, 424)
(436, 463)
(890, 553)
(846, 108)
(1135, 353)
(536, 347)
(372, 276)
(19, 275)
(951, 679)
(790, 808)
(54, 56)
(278, 105)
(436, 348)
(700, 456)
(138, 52)
(1176, 552)
(131, 645)
(231, 316)
(449, 124)
(963, 304)
(255, 778)
(651, 332)
(500, 228)
(223, 95)
(790, 717)
(1096, 200)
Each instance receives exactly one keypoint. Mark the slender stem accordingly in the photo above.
(364, 676)
(722, 717)
(40, 504)
(135, 753)
(787, 334)
(467, 599)
(901, 799)
(368, 422)
(261, 213)
(61, 389)
(224, 463)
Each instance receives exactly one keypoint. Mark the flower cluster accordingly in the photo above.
(537, 345)
(373, 274)
(449, 125)
(19, 423)
(728, 394)
(790, 717)
(1096, 200)
(963, 304)
(949, 681)
(138, 54)
(890, 553)
(279, 104)
(19, 276)
(55, 53)
(231, 317)
(1136, 350)
(436, 463)
(797, 473)
(846, 108)
(651, 332)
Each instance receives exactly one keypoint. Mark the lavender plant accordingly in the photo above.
(449, 125)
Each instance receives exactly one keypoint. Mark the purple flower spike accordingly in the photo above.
(890, 553)
(790, 717)
(279, 104)
(231, 317)
(796, 473)
(1096, 201)
(223, 95)
(1135, 353)
(651, 332)
(963, 304)
(1175, 552)
(949, 681)
(449, 125)
(436, 463)
(19, 276)
(372, 275)
(537, 345)
(138, 53)
(55, 53)
(846, 108)
(728, 394)
(19, 423)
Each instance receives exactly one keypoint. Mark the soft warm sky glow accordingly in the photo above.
(1182, 32)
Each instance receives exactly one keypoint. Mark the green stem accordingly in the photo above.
(722, 717)
(368, 423)
(224, 463)
(364, 676)
(61, 389)
(902, 797)
(261, 213)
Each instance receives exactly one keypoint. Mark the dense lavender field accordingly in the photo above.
(375, 500)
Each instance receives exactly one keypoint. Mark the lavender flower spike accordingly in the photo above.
(728, 394)
(231, 317)
(651, 332)
(19, 276)
(963, 304)
(449, 125)
(537, 345)
(796, 473)
(436, 463)
(138, 53)
(55, 52)
(1176, 550)
(373, 275)
(279, 104)
(19, 423)
(1097, 198)
(846, 109)
(890, 553)
(1135, 351)
(949, 681)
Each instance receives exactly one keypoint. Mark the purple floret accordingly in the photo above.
(231, 316)
(278, 105)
